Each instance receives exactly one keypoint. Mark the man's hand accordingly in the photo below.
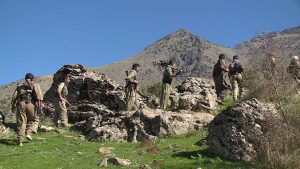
(39, 105)
(13, 108)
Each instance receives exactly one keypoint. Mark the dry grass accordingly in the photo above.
(280, 149)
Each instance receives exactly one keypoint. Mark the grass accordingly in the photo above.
(228, 101)
(68, 150)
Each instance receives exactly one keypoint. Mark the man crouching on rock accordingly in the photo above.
(131, 86)
(61, 102)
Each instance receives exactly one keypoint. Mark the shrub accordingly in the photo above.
(155, 89)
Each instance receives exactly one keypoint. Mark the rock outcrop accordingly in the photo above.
(88, 86)
(237, 132)
(142, 125)
(197, 94)
(98, 105)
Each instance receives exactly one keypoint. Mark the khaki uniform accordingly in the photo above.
(236, 78)
(61, 113)
(294, 70)
(167, 91)
(130, 90)
(23, 102)
(39, 96)
(219, 72)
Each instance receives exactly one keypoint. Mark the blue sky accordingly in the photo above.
(40, 36)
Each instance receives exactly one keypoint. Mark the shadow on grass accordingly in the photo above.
(192, 154)
(12, 126)
(8, 142)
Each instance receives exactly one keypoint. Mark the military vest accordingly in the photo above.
(24, 93)
(235, 68)
(166, 78)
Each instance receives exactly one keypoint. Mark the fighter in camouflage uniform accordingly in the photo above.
(220, 69)
(61, 102)
(131, 87)
(167, 91)
(26, 100)
(236, 71)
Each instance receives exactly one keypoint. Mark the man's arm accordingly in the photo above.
(39, 95)
(14, 101)
(59, 90)
(132, 77)
(224, 67)
(170, 72)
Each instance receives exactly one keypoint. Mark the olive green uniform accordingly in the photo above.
(130, 89)
(167, 91)
(61, 113)
(219, 72)
(236, 71)
(23, 101)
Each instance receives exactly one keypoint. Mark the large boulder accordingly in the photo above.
(88, 86)
(237, 131)
(197, 94)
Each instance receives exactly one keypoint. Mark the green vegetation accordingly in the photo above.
(154, 89)
(228, 101)
(69, 150)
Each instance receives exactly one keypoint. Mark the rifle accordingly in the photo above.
(162, 64)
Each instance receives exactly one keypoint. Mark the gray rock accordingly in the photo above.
(115, 160)
(98, 103)
(197, 94)
(237, 131)
(88, 86)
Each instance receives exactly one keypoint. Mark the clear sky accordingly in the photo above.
(40, 36)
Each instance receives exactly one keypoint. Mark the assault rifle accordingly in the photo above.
(162, 64)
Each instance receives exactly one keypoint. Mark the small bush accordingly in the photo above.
(155, 89)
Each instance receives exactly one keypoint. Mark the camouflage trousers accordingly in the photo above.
(168, 94)
(131, 98)
(236, 86)
(25, 119)
(61, 114)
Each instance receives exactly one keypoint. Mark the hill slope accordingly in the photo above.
(196, 55)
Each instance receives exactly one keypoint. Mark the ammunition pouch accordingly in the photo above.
(167, 80)
(131, 85)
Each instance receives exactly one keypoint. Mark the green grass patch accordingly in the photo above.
(228, 101)
(66, 150)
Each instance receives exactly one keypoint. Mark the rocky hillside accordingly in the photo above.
(287, 41)
(196, 55)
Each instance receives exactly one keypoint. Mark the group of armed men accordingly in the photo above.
(235, 71)
(27, 100)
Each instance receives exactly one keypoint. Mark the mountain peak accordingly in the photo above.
(181, 33)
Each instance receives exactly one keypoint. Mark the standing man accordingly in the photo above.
(131, 86)
(236, 71)
(294, 68)
(61, 102)
(26, 100)
(167, 90)
(219, 72)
